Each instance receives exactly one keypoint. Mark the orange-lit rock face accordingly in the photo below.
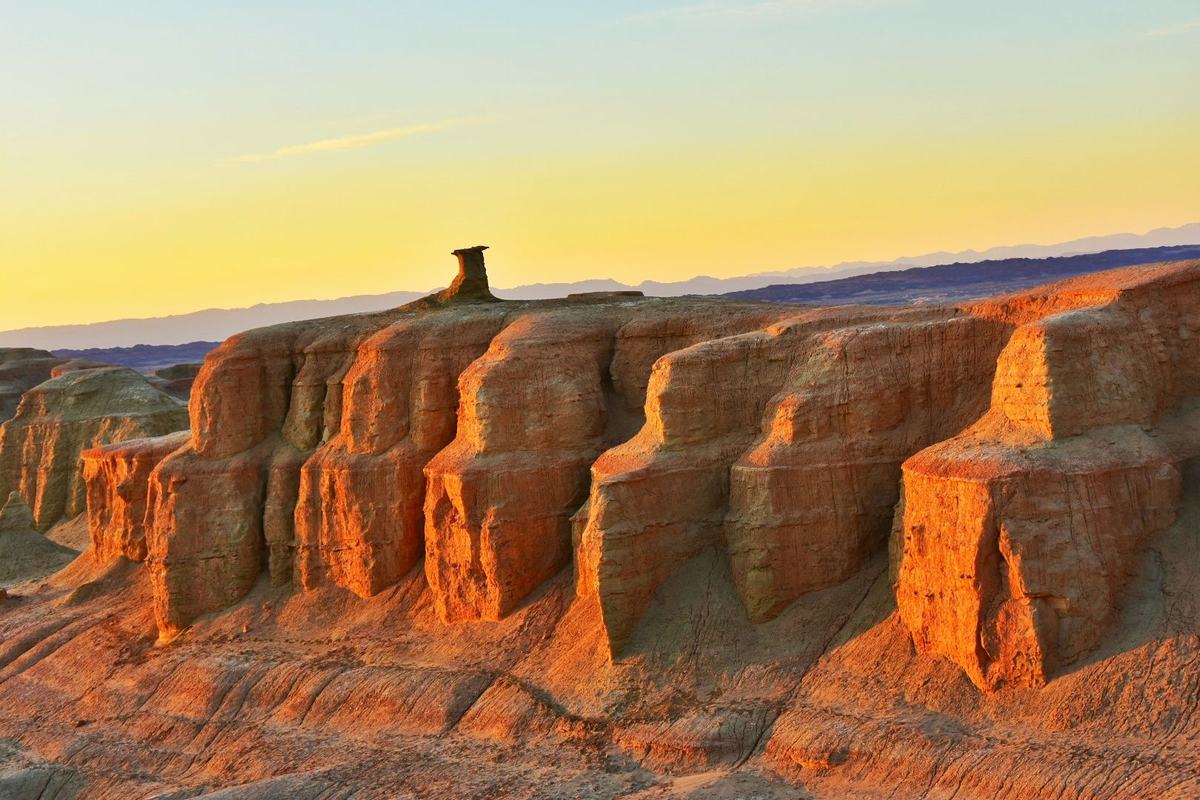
(500, 441)
(222, 506)
(360, 519)
(658, 499)
(501, 495)
(1017, 535)
(537, 409)
(117, 477)
(338, 420)
(814, 496)
(57, 420)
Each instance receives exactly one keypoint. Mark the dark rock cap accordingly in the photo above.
(471, 284)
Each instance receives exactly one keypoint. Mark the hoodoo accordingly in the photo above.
(471, 283)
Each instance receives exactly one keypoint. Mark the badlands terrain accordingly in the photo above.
(618, 546)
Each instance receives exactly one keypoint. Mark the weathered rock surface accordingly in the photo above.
(701, 462)
(22, 368)
(222, 505)
(554, 389)
(117, 477)
(57, 420)
(177, 380)
(360, 520)
(814, 496)
(1018, 534)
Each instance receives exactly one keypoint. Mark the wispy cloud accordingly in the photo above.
(361, 140)
(747, 9)
(1176, 30)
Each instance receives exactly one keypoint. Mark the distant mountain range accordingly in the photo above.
(951, 282)
(217, 324)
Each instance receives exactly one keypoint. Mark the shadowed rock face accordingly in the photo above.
(26, 554)
(57, 420)
(22, 368)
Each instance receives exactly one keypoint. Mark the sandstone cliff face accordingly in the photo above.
(700, 462)
(57, 420)
(222, 505)
(1017, 534)
(814, 496)
(360, 519)
(117, 478)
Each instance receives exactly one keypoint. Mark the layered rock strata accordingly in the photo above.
(813, 497)
(222, 505)
(58, 419)
(117, 477)
(500, 441)
(22, 368)
(1017, 536)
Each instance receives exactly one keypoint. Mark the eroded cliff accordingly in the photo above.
(58, 419)
(645, 541)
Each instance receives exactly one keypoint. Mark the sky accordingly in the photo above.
(158, 157)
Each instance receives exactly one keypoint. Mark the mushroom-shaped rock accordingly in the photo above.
(471, 283)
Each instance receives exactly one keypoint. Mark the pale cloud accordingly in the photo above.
(1176, 30)
(748, 9)
(361, 140)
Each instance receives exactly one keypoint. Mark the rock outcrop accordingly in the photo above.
(117, 477)
(501, 441)
(360, 519)
(1018, 534)
(471, 283)
(814, 496)
(57, 420)
(223, 504)
(22, 368)
(722, 476)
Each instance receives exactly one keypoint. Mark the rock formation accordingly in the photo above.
(662, 429)
(1018, 533)
(616, 545)
(117, 477)
(60, 418)
(22, 368)
(471, 283)
(177, 379)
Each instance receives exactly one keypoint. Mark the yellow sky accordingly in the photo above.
(172, 209)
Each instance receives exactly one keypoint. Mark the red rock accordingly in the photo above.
(117, 477)
(57, 420)
(1018, 535)
(360, 518)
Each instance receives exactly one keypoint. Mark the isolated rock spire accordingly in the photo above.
(471, 284)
